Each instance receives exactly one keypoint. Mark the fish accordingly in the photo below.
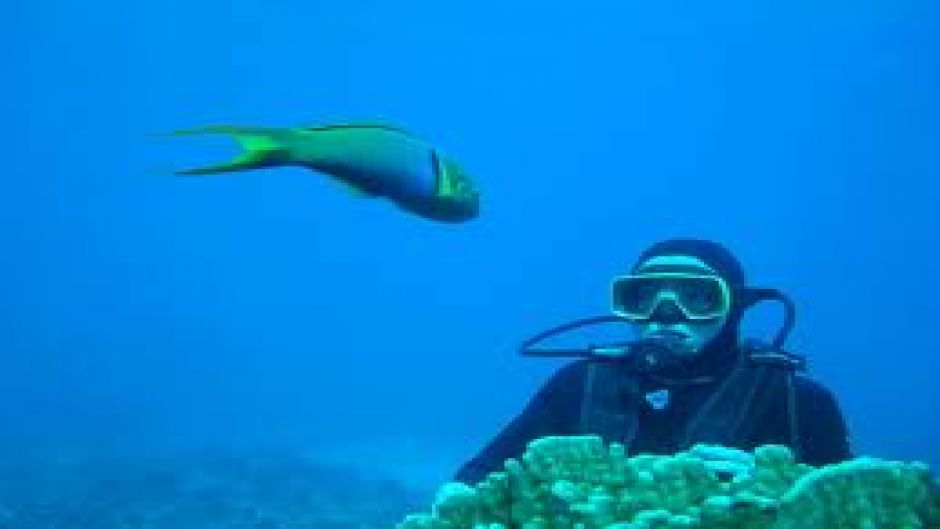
(374, 160)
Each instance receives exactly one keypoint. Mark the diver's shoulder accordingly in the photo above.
(563, 385)
(574, 369)
(569, 376)
(810, 389)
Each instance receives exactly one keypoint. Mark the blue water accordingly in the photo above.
(144, 312)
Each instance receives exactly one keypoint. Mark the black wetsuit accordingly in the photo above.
(557, 409)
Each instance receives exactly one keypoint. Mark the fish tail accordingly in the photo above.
(261, 147)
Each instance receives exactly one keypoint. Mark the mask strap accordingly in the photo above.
(750, 296)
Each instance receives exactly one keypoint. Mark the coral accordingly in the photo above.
(578, 482)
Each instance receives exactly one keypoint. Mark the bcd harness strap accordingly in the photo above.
(730, 416)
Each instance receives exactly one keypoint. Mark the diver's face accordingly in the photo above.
(688, 337)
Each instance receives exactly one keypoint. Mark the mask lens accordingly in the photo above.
(699, 296)
(635, 296)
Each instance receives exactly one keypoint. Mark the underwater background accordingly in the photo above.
(146, 317)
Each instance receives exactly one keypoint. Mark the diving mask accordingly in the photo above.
(698, 296)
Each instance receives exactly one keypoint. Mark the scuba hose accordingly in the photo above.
(657, 353)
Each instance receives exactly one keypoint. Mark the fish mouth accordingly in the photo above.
(459, 210)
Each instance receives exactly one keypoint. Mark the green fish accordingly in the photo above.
(374, 160)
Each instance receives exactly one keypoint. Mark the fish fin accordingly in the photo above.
(260, 148)
(358, 125)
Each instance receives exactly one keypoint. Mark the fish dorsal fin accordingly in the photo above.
(358, 125)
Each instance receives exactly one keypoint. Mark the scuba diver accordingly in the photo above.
(687, 380)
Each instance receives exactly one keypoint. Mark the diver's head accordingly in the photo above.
(682, 292)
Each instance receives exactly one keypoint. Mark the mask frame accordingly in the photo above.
(618, 284)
